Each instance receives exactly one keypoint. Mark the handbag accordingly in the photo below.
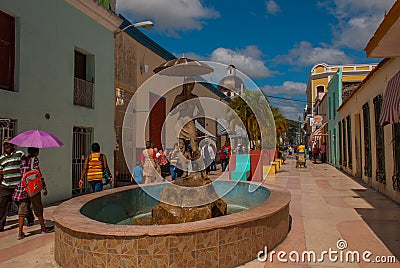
(32, 180)
(106, 176)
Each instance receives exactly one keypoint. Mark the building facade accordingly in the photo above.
(59, 79)
(318, 83)
(369, 150)
(143, 100)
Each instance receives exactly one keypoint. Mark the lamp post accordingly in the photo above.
(299, 129)
(119, 98)
(143, 24)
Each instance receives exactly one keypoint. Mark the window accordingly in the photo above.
(367, 141)
(7, 51)
(380, 141)
(7, 130)
(396, 156)
(330, 107)
(320, 89)
(334, 105)
(84, 80)
(344, 151)
(349, 143)
(340, 144)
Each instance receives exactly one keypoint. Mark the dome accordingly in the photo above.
(231, 82)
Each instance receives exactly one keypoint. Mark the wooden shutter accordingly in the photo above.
(7, 51)
(80, 65)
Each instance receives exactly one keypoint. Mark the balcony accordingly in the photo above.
(83, 93)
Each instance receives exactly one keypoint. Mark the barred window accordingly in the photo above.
(340, 144)
(349, 143)
(344, 151)
(380, 141)
(367, 141)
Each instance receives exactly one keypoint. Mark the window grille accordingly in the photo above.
(380, 141)
(367, 141)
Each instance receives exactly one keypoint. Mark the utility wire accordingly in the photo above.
(282, 98)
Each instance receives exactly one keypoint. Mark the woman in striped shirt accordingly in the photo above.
(94, 167)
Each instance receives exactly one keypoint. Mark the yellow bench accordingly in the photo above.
(270, 169)
(277, 163)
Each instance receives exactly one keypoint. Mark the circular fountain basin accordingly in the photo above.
(91, 230)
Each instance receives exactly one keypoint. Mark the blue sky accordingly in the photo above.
(274, 42)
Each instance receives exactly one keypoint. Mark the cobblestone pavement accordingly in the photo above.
(327, 206)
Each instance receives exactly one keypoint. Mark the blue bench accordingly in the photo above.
(242, 170)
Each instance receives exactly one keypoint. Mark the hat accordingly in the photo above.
(6, 141)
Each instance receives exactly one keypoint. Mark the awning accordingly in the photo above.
(222, 127)
(202, 129)
(390, 113)
(317, 134)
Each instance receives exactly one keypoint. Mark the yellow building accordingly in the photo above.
(322, 73)
(370, 149)
(320, 76)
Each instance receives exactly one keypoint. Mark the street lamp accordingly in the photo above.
(299, 129)
(143, 24)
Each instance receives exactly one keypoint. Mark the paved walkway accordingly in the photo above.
(327, 206)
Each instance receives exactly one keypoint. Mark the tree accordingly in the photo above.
(257, 119)
(281, 124)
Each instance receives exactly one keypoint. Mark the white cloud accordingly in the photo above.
(170, 16)
(272, 7)
(288, 97)
(357, 20)
(288, 88)
(289, 109)
(304, 54)
(246, 60)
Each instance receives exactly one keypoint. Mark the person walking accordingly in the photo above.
(226, 151)
(213, 166)
(208, 155)
(137, 173)
(21, 197)
(148, 163)
(163, 162)
(10, 177)
(173, 158)
(310, 151)
(323, 152)
(315, 152)
(94, 167)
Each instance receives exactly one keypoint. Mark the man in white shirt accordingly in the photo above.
(208, 155)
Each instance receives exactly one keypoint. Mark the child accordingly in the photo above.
(21, 197)
(137, 173)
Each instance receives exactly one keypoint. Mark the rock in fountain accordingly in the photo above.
(187, 200)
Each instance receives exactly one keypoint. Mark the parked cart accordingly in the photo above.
(301, 160)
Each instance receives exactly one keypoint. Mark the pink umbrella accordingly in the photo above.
(36, 138)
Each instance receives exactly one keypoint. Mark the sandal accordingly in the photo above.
(47, 230)
(21, 236)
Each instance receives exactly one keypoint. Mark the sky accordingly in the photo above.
(274, 42)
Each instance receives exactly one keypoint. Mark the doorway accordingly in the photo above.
(81, 147)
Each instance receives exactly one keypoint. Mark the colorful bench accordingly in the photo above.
(242, 170)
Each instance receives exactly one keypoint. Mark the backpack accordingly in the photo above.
(32, 180)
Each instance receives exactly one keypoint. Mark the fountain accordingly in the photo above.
(96, 229)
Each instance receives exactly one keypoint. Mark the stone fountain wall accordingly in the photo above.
(226, 241)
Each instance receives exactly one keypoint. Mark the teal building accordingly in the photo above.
(334, 102)
(59, 78)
